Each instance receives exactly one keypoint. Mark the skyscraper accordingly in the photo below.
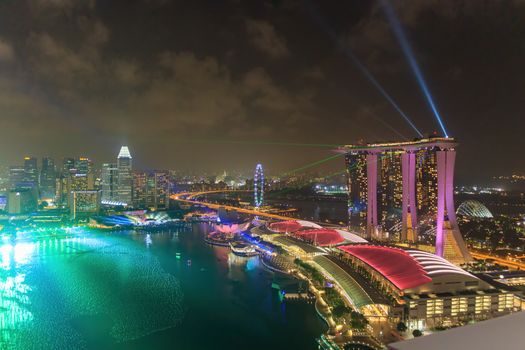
(84, 203)
(391, 181)
(427, 172)
(48, 179)
(21, 201)
(151, 190)
(83, 165)
(16, 176)
(68, 164)
(109, 179)
(358, 192)
(30, 172)
(125, 176)
(76, 183)
(25, 177)
(162, 190)
(143, 186)
(426, 184)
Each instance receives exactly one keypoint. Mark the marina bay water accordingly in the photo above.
(132, 290)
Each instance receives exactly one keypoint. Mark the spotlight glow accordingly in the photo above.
(407, 51)
(348, 52)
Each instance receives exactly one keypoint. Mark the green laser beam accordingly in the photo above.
(310, 165)
(257, 143)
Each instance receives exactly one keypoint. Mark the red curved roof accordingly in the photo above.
(320, 236)
(285, 226)
(395, 264)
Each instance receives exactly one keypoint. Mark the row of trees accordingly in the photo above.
(334, 299)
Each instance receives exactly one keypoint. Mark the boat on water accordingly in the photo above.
(243, 249)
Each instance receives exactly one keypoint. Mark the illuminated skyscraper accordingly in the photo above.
(427, 172)
(31, 170)
(109, 177)
(151, 190)
(16, 176)
(358, 194)
(162, 190)
(21, 201)
(142, 190)
(68, 164)
(77, 182)
(391, 190)
(25, 177)
(426, 184)
(125, 176)
(84, 203)
(83, 165)
(48, 179)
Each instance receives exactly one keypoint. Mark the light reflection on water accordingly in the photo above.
(48, 285)
(124, 290)
(14, 299)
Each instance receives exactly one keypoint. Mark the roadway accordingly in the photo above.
(188, 198)
(499, 260)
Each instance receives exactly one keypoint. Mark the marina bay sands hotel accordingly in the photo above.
(397, 188)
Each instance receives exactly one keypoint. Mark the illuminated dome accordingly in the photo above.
(474, 209)
(320, 236)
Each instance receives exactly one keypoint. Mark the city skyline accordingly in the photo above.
(101, 83)
(270, 174)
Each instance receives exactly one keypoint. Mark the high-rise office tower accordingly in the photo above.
(84, 203)
(16, 176)
(77, 183)
(109, 182)
(162, 190)
(21, 201)
(48, 179)
(30, 172)
(125, 176)
(62, 184)
(83, 165)
(24, 179)
(143, 186)
(151, 190)
(68, 164)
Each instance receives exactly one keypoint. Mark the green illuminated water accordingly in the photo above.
(129, 290)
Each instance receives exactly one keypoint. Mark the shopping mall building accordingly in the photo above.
(427, 290)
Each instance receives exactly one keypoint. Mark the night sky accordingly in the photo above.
(175, 80)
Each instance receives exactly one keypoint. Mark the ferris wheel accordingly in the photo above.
(258, 186)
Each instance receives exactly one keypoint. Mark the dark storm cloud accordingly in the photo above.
(86, 76)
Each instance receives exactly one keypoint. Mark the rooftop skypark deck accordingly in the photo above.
(440, 142)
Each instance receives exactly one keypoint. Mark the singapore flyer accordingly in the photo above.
(258, 186)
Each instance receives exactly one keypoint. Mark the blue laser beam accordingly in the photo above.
(348, 52)
(409, 55)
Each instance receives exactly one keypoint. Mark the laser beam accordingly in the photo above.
(256, 143)
(348, 52)
(304, 167)
(409, 55)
